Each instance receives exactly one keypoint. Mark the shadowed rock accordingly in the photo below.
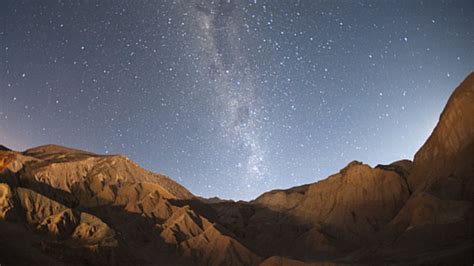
(3, 148)
(62, 206)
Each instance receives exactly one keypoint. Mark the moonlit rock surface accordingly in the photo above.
(65, 206)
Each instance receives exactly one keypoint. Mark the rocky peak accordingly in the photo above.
(449, 151)
(60, 205)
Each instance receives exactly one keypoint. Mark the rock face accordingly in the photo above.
(444, 165)
(341, 212)
(3, 148)
(62, 206)
(440, 212)
(82, 208)
(68, 169)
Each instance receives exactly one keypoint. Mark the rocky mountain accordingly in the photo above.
(62, 206)
(3, 148)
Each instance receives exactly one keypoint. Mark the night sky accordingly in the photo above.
(232, 98)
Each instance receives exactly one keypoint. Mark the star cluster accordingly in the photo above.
(232, 98)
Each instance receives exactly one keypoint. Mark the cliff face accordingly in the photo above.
(445, 164)
(440, 210)
(61, 206)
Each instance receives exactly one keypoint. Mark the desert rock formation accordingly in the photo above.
(62, 206)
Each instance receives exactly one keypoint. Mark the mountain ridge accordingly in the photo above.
(73, 207)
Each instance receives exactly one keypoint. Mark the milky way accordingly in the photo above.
(237, 106)
(232, 98)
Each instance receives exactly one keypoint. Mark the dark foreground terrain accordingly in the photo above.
(61, 206)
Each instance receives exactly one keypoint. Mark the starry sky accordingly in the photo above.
(232, 98)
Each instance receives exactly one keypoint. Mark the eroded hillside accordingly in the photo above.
(62, 206)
